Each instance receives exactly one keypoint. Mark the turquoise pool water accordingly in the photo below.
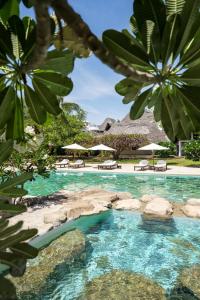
(175, 188)
(124, 241)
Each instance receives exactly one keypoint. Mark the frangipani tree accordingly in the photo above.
(164, 42)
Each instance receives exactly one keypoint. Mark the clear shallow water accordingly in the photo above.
(174, 188)
(125, 242)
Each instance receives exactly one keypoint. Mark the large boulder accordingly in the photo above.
(121, 285)
(193, 201)
(147, 198)
(189, 278)
(66, 249)
(124, 195)
(130, 204)
(191, 210)
(158, 208)
(78, 208)
(55, 218)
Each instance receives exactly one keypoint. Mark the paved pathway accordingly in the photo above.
(129, 168)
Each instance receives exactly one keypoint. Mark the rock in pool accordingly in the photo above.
(67, 248)
(121, 285)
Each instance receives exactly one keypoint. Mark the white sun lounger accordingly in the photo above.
(108, 164)
(161, 165)
(143, 164)
(77, 164)
(62, 164)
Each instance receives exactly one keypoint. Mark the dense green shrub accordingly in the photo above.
(167, 153)
(192, 150)
(120, 142)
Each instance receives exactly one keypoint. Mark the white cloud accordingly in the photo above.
(89, 85)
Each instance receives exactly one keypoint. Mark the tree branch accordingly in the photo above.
(43, 36)
(90, 40)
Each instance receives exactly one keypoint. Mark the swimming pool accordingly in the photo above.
(174, 188)
(125, 241)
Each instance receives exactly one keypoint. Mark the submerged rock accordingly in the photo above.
(67, 248)
(189, 278)
(121, 285)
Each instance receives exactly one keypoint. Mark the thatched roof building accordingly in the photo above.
(107, 124)
(145, 125)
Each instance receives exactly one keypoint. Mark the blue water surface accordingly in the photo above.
(174, 188)
(124, 241)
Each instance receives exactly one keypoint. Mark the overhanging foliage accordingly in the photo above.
(164, 41)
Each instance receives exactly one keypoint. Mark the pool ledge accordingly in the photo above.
(129, 168)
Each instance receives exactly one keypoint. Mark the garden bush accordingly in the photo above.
(192, 150)
(120, 142)
(167, 153)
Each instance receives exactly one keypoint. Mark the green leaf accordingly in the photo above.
(191, 51)
(17, 28)
(6, 149)
(129, 89)
(59, 84)
(190, 96)
(191, 76)
(167, 121)
(133, 25)
(13, 182)
(12, 260)
(28, 3)
(154, 98)
(30, 37)
(5, 41)
(59, 61)
(9, 291)
(13, 192)
(158, 106)
(36, 110)
(10, 8)
(21, 236)
(189, 15)
(153, 10)
(174, 7)
(46, 97)
(138, 107)
(7, 106)
(188, 102)
(15, 126)
(3, 224)
(25, 250)
(121, 46)
(150, 26)
(11, 209)
(169, 39)
(11, 230)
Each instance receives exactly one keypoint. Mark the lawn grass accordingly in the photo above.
(181, 162)
(176, 161)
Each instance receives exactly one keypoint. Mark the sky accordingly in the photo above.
(93, 81)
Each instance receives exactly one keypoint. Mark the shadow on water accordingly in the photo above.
(166, 227)
(182, 293)
(102, 225)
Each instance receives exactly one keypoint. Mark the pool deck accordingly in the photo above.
(129, 168)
